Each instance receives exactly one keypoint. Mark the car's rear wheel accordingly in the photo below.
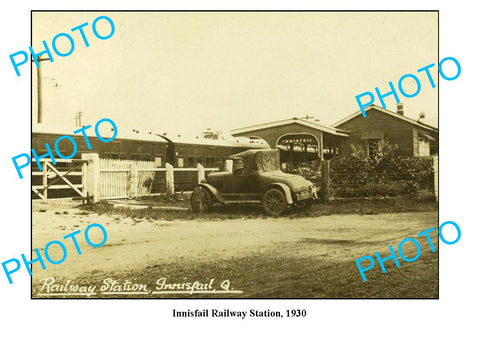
(274, 202)
(201, 199)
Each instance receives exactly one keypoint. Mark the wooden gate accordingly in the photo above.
(65, 179)
(125, 178)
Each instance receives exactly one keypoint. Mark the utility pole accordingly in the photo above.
(39, 90)
(78, 119)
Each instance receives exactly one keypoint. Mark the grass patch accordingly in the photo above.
(218, 212)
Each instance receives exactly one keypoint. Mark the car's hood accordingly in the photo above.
(281, 174)
(297, 182)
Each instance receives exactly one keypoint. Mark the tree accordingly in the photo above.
(209, 134)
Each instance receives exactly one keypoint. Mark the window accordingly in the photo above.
(139, 148)
(423, 147)
(424, 143)
(373, 142)
(158, 162)
(111, 155)
(141, 156)
(180, 162)
(238, 167)
(373, 147)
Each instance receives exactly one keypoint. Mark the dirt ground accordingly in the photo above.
(254, 254)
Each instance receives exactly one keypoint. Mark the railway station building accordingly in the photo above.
(298, 139)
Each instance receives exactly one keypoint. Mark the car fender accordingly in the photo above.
(213, 191)
(286, 191)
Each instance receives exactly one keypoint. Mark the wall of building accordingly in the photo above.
(396, 131)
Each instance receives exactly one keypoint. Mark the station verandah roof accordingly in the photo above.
(296, 135)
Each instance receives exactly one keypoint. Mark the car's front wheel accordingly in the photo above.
(274, 202)
(201, 200)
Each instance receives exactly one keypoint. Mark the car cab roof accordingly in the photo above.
(259, 160)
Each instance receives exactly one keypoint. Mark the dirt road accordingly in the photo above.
(136, 244)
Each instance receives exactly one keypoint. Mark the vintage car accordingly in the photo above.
(256, 178)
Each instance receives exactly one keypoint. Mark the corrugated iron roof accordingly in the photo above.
(248, 142)
(391, 113)
(105, 131)
(294, 120)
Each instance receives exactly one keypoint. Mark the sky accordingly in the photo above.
(183, 72)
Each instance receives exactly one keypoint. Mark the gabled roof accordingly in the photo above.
(295, 120)
(388, 112)
(432, 122)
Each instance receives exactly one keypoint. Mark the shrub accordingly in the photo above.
(410, 187)
(416, 169)
(351, 171)
(410, 173)
(376, 190)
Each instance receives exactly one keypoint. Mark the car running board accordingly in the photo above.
(243, 202)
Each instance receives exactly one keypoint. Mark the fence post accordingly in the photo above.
(84, 179)
(229, 165)
(201, 173)
(133, 181)
(45, 180)
(325, 180)
(92, 176)
(435, 176)
(169, 179)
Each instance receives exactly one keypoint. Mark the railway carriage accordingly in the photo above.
(127, 144)
(181, 152)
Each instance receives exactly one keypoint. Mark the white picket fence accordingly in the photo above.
(125, 178)
(111, 178)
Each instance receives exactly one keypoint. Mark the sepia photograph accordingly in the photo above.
(234, 154)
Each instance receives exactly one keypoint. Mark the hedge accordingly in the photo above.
(389, 176)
